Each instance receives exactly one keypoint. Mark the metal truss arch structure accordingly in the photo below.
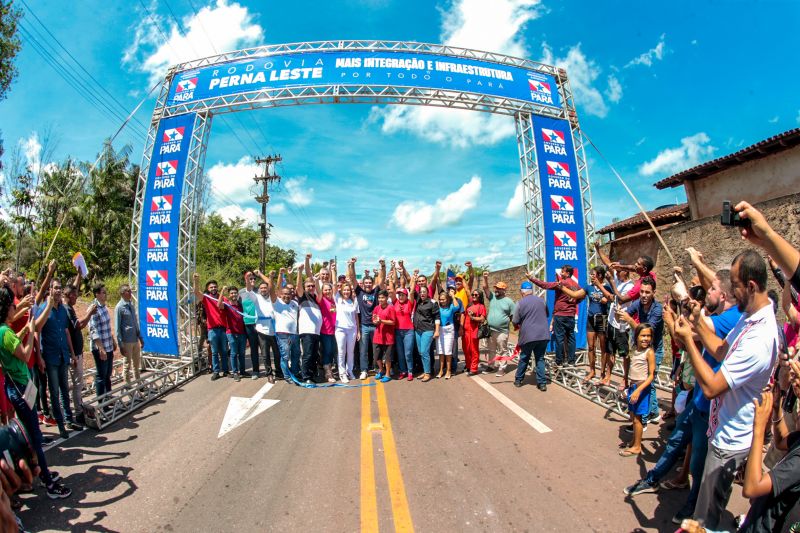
(460, 78)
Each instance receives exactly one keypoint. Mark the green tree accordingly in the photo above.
(225, 250)
(9, 45)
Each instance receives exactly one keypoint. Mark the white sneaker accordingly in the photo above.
(345, 379)
(363, 375)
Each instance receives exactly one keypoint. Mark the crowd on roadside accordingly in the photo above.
(42, 361)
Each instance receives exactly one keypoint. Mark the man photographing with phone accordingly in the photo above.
(748, 354)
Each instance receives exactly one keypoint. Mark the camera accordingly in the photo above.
(730, 217)
(15, 444)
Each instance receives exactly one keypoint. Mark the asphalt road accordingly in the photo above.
(440, 456)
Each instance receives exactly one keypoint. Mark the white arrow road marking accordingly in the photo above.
(240, 410)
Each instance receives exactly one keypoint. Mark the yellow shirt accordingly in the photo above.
(463, 295)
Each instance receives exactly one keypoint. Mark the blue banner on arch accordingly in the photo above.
(364, 67)
(562, 207)
(158, 247)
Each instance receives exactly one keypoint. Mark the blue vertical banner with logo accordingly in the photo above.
(562, 208)
(158, 247)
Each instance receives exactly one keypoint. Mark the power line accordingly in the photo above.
(109, 99)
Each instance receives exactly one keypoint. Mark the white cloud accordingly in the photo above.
(32, 151)
(431, 245)
(798, 116)
(491, 26)
(297, 193)
(457, 127)
(276, 209)
(641, 141)
(583, 73)
(488, 259)
(231, 212)
(614, 89)
(319, 244)
(415, 216)
(214, 29)
(774, 120)
(694, 41)
(234, 179)
(654, 54)
(354, 242)
(516, 205)
(692, 151)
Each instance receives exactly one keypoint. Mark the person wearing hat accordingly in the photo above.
(501, 310)
(530, 317)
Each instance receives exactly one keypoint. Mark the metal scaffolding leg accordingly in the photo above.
(534, 221)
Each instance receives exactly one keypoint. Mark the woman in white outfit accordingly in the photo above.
(448, 313)
(347, 329)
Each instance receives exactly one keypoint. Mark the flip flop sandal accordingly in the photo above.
(628, 453)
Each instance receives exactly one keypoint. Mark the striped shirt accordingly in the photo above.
(100, 327)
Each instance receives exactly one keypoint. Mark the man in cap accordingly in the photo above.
(530, 317)
(501, 310)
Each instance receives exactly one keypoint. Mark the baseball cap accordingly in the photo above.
(460, 277)
(526, 285)
(501, 285)
(401, 290)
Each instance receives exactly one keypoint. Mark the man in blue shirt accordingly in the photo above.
(692, 424)
(57, 353)
(650, 311)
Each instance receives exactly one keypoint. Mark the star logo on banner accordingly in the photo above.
(161, 203)
(158, 241)
(562, 204)
(157, 280)
(157, 316)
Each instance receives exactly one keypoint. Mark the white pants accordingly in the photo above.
(76, 376)
(346, 344)
(444, 345)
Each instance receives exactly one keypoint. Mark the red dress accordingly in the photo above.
(470, 339)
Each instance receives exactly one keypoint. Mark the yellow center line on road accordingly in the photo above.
(369, 499)
(397, 490)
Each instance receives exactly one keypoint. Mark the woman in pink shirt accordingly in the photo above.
(404, 333)
(328, 330)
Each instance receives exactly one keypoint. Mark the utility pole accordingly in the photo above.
(263, 198)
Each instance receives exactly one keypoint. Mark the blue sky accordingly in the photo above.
(659, 87)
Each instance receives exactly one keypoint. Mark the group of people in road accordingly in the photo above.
(399, 323)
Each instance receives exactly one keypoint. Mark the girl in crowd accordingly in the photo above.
(476, 315)
(347, 330)
(642, 370)
(425, 313)
(448, 315)
(404, 334)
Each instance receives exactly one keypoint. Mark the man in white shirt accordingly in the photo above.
(309, 324)
(265, 328)
(284, 310)
(748, 354)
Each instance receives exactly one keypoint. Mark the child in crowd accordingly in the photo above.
(642, 370)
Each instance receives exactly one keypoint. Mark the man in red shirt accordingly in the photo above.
(215, 321)
(564, 311)
(643, 267)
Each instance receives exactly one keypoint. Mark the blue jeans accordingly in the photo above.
(538, 348)
(404, 345)
(237, 342)
(691, 426)
(218, 342)
(367, 332)
(30, 421)
(289, 345)
(564, 330)
(653, 398)
(59, 390)
(328, 347)
(424, 342)
(102, 380)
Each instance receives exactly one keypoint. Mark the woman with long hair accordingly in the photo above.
(347, 329)
(475, 316)
(425, 328)
(448, 316)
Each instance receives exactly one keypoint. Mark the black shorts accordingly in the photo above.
(596, 323)
(383, 352)
(617, 342)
